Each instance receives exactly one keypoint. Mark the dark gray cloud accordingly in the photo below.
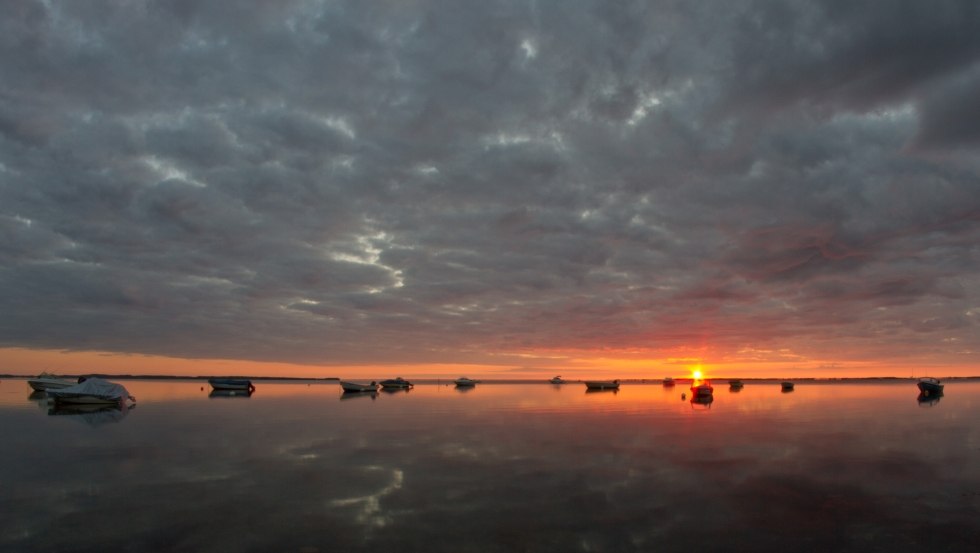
(422, 181)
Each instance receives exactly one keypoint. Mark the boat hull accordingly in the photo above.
(231, 384)
(396, 384)
(43, 385)
(353, 387)
(601, 385)
(930, 388)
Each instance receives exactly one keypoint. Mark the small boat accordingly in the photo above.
(397, 383)
(92, 391)
(930, 386)
(45, 381)
(232, 384)
(668, 381)
(787, 386)
(602, 384)
(463, 381)
(701, 389)
(557, 380)
(735, 384)
(354, 387)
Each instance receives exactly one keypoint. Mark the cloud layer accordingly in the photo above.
(343, 182)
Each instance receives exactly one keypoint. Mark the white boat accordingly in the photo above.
(702, 388)
(232, 384)
(45, 381)
(463, 381)
(557, 380)
(353, 387)
(397, 383)
(668, 381)
(930, 386)
(602, 384)
(92, 392)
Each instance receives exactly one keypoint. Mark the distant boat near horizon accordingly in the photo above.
(668, 382)
(787, 386)
(232, 384)
(930, 386)
(465, 382)
(602, 384)
(354, 387)
(701, 389)
(557, 380)
(397, 383)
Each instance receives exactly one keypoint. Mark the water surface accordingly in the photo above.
(500, 467)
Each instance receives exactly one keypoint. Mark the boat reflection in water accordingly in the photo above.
(702, 402)
(231, 393)
(347, 394)
(927, 399)
(90, 413)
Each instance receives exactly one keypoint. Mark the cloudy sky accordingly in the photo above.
(518, 186)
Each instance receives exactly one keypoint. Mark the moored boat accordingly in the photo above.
(93, 391)
(354, 387)
(735, 384)
(602, 384)
(930, 386)
(45, 381)
(787, 386)
(668, 381)
(397, 383)
(463, 381)
(557, 380)
(701, 388)
(232, 384)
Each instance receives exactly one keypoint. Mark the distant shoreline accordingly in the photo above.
(449, 379)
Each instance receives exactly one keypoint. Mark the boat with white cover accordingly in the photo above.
(463, 381)
(93, 391)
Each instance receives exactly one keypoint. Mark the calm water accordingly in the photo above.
(502, 467)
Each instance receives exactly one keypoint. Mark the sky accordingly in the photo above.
(497, 189)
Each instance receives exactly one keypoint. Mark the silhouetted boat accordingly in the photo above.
(92, 391)
(930, 386)
(397, 383)
(236, 384)
(354, 387)
(787, 386)
(701, 389)
(463, 381)
(602, 384)
(557, 380)
(45, 381)
(668, 381)
(735, 384)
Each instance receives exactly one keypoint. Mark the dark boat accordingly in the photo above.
(788, 386)
(930, 386)
(702, 389)
(232, 384)
(398, 383)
